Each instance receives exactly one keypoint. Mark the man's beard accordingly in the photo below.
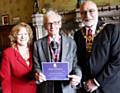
(89, 22)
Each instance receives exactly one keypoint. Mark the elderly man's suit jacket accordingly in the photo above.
(104, 62)
(68, 53)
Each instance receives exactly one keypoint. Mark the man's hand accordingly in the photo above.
(90, 86)
(75, 80)
(40, 77)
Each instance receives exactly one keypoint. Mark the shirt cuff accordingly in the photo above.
(96, 82)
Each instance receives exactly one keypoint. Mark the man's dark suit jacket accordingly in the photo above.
(104, 62)
(68, 53)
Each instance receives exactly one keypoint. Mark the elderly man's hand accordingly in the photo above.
(75, 80)
(40, 77)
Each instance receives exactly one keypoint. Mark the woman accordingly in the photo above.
(17, 67)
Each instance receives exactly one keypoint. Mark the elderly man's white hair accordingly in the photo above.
(51, 13)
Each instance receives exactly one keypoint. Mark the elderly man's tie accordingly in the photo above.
(89, 40)
(54, 46)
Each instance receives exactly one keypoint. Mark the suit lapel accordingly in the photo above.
(64, 49)
(99, 25)
(21, 60)
(46, 50)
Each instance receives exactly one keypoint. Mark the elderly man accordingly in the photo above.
(98, 52)
(66, 52)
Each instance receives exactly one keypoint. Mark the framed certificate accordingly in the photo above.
(55, 70)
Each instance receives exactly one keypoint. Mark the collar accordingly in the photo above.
(93, 28)
(57, 39)
(97, 28)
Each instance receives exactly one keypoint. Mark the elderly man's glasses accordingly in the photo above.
(84, 12)
(53, 23)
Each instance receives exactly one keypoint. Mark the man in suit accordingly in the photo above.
(66, 52)
(98, 53)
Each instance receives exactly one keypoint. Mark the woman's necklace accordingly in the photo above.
(24, 52)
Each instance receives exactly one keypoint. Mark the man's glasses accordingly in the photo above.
(53, 23)
(91, 11)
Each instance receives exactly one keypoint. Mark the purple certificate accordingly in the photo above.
(55, 70)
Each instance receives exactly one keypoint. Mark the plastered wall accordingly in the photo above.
(23, 9)
(20, 9)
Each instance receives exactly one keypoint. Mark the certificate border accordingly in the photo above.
(57, 63)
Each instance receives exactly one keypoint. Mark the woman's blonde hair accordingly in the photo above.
(16, 29)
